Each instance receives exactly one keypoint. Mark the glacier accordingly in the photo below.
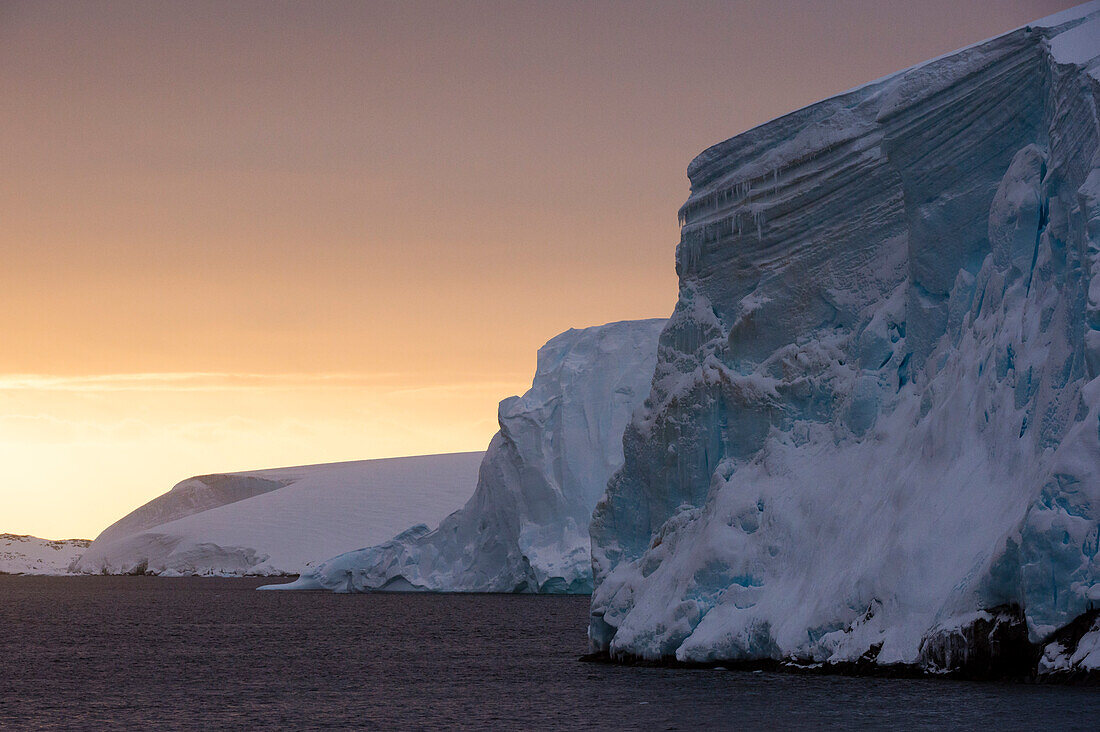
(525, 528)
(278, 521)
(873, 434)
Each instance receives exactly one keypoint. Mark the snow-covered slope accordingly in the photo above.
(874, 430)
(525, 529)
(276, 521)
(21, 554)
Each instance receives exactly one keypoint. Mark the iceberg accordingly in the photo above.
(525, 529)
(873, 435)
(22, 554)
(278, 521)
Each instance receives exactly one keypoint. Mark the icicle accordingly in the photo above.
(758, 219)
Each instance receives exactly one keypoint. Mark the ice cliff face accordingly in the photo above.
(525, 529)
(273, 522)
(874, 429)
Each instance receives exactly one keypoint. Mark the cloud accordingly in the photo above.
(217, 381)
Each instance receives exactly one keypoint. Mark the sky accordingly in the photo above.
(253, 234)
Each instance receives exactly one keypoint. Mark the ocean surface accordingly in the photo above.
(156, 653)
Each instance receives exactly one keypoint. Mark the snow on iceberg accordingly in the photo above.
(275, 522)
(874, 430)
(21, 554)
(525, 529)
(1074, 651)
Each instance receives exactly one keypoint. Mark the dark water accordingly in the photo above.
(132, 652)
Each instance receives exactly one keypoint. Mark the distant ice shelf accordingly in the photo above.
(277, 521)
(873, 435)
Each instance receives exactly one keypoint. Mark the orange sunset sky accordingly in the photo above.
(243, 235)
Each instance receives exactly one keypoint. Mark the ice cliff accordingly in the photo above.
(873, 435)
(525, 529)
(276, 521)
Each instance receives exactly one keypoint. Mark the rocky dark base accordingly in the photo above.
(858, 668)
(994, 647)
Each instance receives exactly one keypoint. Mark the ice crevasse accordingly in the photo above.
(525, 528)
(873, 434)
